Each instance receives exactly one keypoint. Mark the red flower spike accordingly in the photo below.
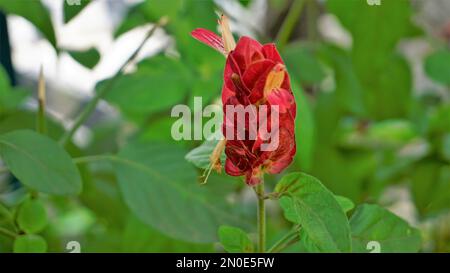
(254, 75)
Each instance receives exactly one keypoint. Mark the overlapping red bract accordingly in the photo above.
(245, 77)
(210, 38)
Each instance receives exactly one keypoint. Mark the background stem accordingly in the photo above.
(90, 107)
(289, 23)
(261, 217)
(313, 13)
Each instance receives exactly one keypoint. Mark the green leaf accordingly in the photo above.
(88, 58)
(158, 84)
(32, 216)
(386, 134)
(205, 65)
(40, 163)
(396, 15)
(308, 203)
(374, 223)
(304, 129)
(235, 240)
(74, 222)
(194, 14)
(393, 131)
(437, 66)
(34, 12)
(439, 120)
(150, 11)
(431, 186)
(159, 130)
(384, 75)
(348, 89)
(30, 243)
(445, 147)
(306, 244)
(161, 189)
(72, 8)
(392, 89)
(200, 156)
(303, 64)
(345, 203)
(330, 162)
(140, 238)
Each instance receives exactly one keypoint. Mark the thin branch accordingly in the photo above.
(289, 23)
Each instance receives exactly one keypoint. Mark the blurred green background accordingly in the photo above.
(371, 82)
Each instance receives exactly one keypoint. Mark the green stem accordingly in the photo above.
(286, 239)
(90, 107)
(313, 13)
(289, 23)
(7, 233)
(261, 217)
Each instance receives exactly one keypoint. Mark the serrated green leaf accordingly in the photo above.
(373, 223)
(235, 240)
(40, 163)
(308, 203)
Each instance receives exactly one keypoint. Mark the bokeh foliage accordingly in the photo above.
(361, 129)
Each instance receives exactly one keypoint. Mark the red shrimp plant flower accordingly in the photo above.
(254, 75)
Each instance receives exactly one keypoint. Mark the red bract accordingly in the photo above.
(255, 75)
